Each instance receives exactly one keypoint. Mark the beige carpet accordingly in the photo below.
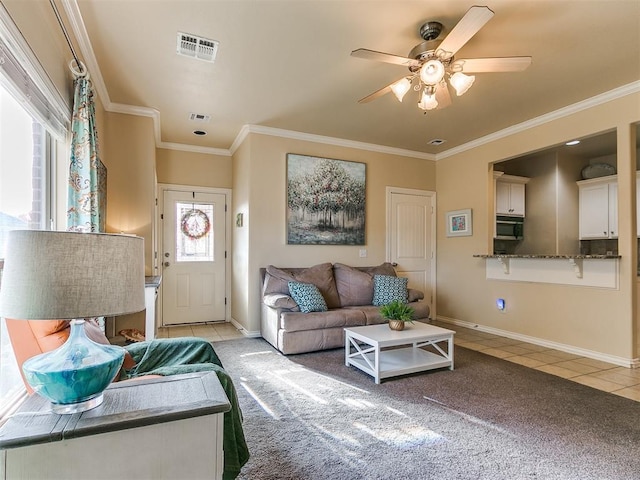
(311, 417)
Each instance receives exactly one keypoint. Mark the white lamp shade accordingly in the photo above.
(67, 275)
(432, 72)
(461, 82)
(428, 102)
(400, 88)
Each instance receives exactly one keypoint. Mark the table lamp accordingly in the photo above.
(66, 275)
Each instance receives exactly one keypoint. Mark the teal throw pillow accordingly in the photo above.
(387, 288)
(308, 297)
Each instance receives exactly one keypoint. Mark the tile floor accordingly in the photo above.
(214, 332)
(594, 373)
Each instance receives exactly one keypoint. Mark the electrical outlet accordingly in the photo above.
(501, 305)
(363, 253)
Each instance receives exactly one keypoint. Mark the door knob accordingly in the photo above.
(166, 264)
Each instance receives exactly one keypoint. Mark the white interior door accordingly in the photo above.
(193, 257)
(411, 239)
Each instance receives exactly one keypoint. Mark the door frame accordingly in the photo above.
(161, 189)
(422, 193)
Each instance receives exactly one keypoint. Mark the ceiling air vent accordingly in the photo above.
(197, 47)
(436, 141)
(199, 117)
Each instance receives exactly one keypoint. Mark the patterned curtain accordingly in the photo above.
(87, 175)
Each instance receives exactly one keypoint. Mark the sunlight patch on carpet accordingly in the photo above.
(396, 411)
(262, 404)
(401, 437)
(357, 403)
(253, 354)
(472, 419)
(299, 388)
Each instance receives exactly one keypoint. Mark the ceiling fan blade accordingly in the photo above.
(376, 94)
(467, 27)
(384, 57)
(442, 96)
(497, 64)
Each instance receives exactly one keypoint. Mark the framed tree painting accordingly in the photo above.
(325, 201)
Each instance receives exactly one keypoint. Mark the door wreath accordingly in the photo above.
(195, 224)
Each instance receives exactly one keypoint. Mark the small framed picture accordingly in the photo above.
(459, 223)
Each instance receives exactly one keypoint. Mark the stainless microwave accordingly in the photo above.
(509, 228)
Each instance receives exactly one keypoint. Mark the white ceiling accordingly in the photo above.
(287, 65)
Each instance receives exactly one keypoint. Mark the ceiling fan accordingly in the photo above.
(431, 61)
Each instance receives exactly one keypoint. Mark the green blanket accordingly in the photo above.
(173, 356)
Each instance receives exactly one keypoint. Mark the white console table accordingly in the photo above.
(163, 428)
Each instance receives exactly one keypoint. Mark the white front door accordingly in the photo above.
(411, 238)
(193, 257)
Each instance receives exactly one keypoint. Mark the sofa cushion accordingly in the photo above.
(355, 284)
(414, 295)
(374, 317)
(342, 317)
(308, 297)
(386, 289)
(382, 269)
(355, 287)
(372, 314)
(280, 300)
(277, 280)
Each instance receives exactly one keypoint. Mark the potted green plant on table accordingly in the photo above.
(398, 313)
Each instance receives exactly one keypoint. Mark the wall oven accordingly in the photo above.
(509, 228)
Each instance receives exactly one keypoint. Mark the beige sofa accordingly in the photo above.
(348, 293)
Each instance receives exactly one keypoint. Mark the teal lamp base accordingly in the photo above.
(74, 376)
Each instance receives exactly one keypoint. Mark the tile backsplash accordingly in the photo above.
(599, 247)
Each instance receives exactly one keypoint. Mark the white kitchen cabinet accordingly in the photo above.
(598, 207)
(510, 195)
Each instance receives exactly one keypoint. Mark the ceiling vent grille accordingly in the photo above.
(199, 117)
(197, 47)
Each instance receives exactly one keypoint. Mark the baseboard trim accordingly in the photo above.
(244, 331)
(621, 361)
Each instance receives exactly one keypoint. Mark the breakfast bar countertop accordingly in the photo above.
(535, 255)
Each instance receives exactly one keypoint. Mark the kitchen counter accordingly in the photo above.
(580, 270)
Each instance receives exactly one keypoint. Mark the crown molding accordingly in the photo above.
(339, 142)
(605, 97)
(186, 147)
(80, 32)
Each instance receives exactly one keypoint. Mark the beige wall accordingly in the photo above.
(594, 319)
(264, 165)
(240, 251)
(130, 159)
(189, 168)
(128, 151)
(38, 25)
(567, 203)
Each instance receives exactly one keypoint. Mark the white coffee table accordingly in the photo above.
(366, 348)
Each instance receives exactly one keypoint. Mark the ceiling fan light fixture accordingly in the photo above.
(432, 72)
(428, 101)
(461, 82)
(400, 88)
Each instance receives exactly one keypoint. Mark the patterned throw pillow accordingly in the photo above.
(386, 289)
(308, 297)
